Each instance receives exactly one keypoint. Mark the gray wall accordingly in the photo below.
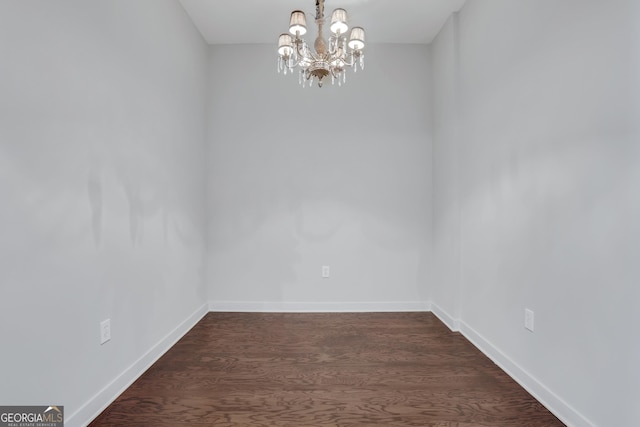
(537, 167)
(300, 178)
(102, 183)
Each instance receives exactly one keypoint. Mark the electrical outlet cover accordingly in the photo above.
(105, 331)
(325, 271)
(528, 319)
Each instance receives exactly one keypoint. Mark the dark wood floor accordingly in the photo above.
(347, 369)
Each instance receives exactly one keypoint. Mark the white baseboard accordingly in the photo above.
(452, 323)
(108, 394)
(561, 409)
(317, 307)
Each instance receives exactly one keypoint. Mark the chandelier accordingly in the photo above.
(323, 61)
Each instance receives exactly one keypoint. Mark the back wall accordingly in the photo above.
(305, 177)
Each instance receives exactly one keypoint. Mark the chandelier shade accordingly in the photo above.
(356, 40)
(339, 22)
(285, 44)
(298, 23)
(325, 59)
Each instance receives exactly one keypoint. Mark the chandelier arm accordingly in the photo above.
(349, 59)
(293, 65)
(299, 51)
(335, 72)
(309, 55)
(335, 43)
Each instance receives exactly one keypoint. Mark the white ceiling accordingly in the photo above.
(261, 21)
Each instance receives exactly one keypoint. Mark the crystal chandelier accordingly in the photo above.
(323, 61)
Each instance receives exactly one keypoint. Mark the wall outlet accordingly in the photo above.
(528, 319)
(105, 331)
(326, 272)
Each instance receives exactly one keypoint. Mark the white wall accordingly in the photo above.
(300, 178)
(102, 128)
(545, 173)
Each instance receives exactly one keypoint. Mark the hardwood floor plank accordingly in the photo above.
(325, 369)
